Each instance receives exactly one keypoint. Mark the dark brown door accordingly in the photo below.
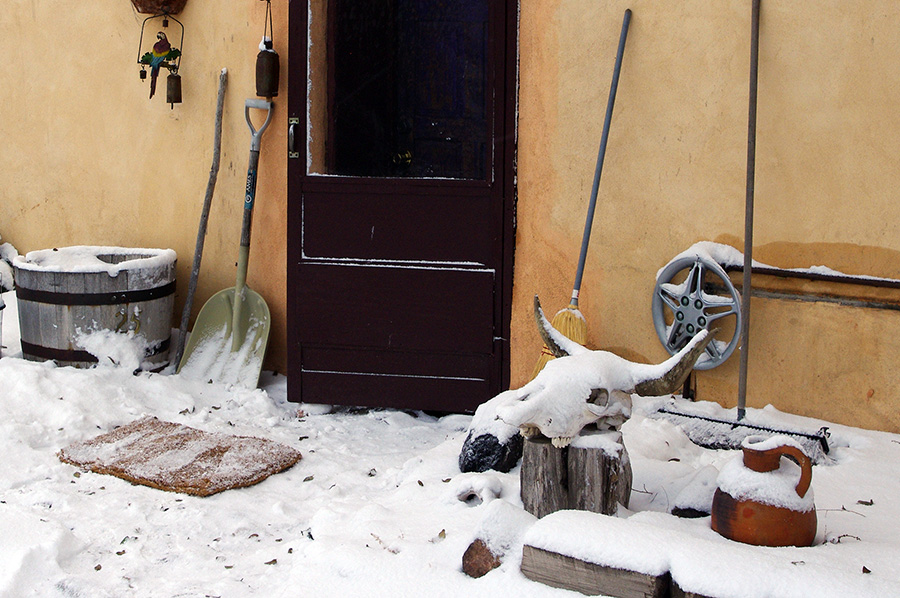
(401, 202)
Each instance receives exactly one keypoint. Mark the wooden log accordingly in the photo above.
(561, 571)
(544, 477)
(599, 481)
(592, 474)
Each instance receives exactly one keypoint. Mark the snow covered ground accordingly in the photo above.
(373, 508)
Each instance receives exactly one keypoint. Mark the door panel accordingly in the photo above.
(419, 380)
(391, 308)
(400, 246)
(397, 226)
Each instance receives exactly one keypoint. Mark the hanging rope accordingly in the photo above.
(267, 66)
(267, 26)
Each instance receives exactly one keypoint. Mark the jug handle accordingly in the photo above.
(805, 467)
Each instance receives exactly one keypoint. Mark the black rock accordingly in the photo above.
(485, 451)
(491, 443)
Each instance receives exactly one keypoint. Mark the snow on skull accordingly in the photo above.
(581, 386)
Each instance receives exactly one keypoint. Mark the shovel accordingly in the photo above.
(228, 342)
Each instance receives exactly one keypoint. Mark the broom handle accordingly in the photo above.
(600, 155)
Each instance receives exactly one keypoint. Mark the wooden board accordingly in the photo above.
(561, 571)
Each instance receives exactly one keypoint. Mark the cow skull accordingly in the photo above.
(582, 386)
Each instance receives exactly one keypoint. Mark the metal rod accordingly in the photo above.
(582, 258)
(863, 281)
(843, 300)
(748, 214)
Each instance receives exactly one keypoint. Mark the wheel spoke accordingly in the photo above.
(694, 282)
(717, 300)
(721, 314)
(674, 335)
(670, 294)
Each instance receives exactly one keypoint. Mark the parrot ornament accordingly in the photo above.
(159, 57)
(160, 52)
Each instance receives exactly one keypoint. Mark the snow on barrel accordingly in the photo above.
(68, 295)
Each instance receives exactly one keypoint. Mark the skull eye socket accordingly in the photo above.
(599, 396)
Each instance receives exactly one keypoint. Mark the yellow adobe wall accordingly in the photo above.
(89, 160)
(827, 176)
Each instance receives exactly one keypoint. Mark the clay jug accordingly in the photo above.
(755, 519)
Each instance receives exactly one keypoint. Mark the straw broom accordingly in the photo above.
(570, 321)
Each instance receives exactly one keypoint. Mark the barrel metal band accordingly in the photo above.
(76, 355)
(112, 298)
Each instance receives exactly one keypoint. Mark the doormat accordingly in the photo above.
(177, 458)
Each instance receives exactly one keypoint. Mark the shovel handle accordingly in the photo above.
(256, 134)
(249, 198)
(247, 224)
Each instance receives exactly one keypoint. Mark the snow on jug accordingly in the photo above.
(766, 500)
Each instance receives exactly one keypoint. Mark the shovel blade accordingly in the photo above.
(209, 354)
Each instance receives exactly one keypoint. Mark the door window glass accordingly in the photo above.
(398, 88)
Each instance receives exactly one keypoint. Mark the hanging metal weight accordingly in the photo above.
(267, 67)
(680, 310)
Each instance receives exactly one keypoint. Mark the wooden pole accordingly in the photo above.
(204, 218)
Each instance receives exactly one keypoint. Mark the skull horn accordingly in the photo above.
(675, 376)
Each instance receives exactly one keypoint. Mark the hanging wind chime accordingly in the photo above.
(162, 55)
(267, 60)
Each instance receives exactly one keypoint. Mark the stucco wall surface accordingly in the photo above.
(88, 159)
(828, 147)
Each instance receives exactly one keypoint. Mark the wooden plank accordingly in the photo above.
(561, 571)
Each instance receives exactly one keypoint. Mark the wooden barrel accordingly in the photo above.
(67, 292)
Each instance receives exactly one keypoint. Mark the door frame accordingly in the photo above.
(502, 179)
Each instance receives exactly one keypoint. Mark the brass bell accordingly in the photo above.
(173, 89)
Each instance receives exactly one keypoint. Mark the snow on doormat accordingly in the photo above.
(177, 458)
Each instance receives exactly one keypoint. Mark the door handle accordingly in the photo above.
(293, 124)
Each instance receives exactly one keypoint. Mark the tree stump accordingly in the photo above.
(592, 474)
